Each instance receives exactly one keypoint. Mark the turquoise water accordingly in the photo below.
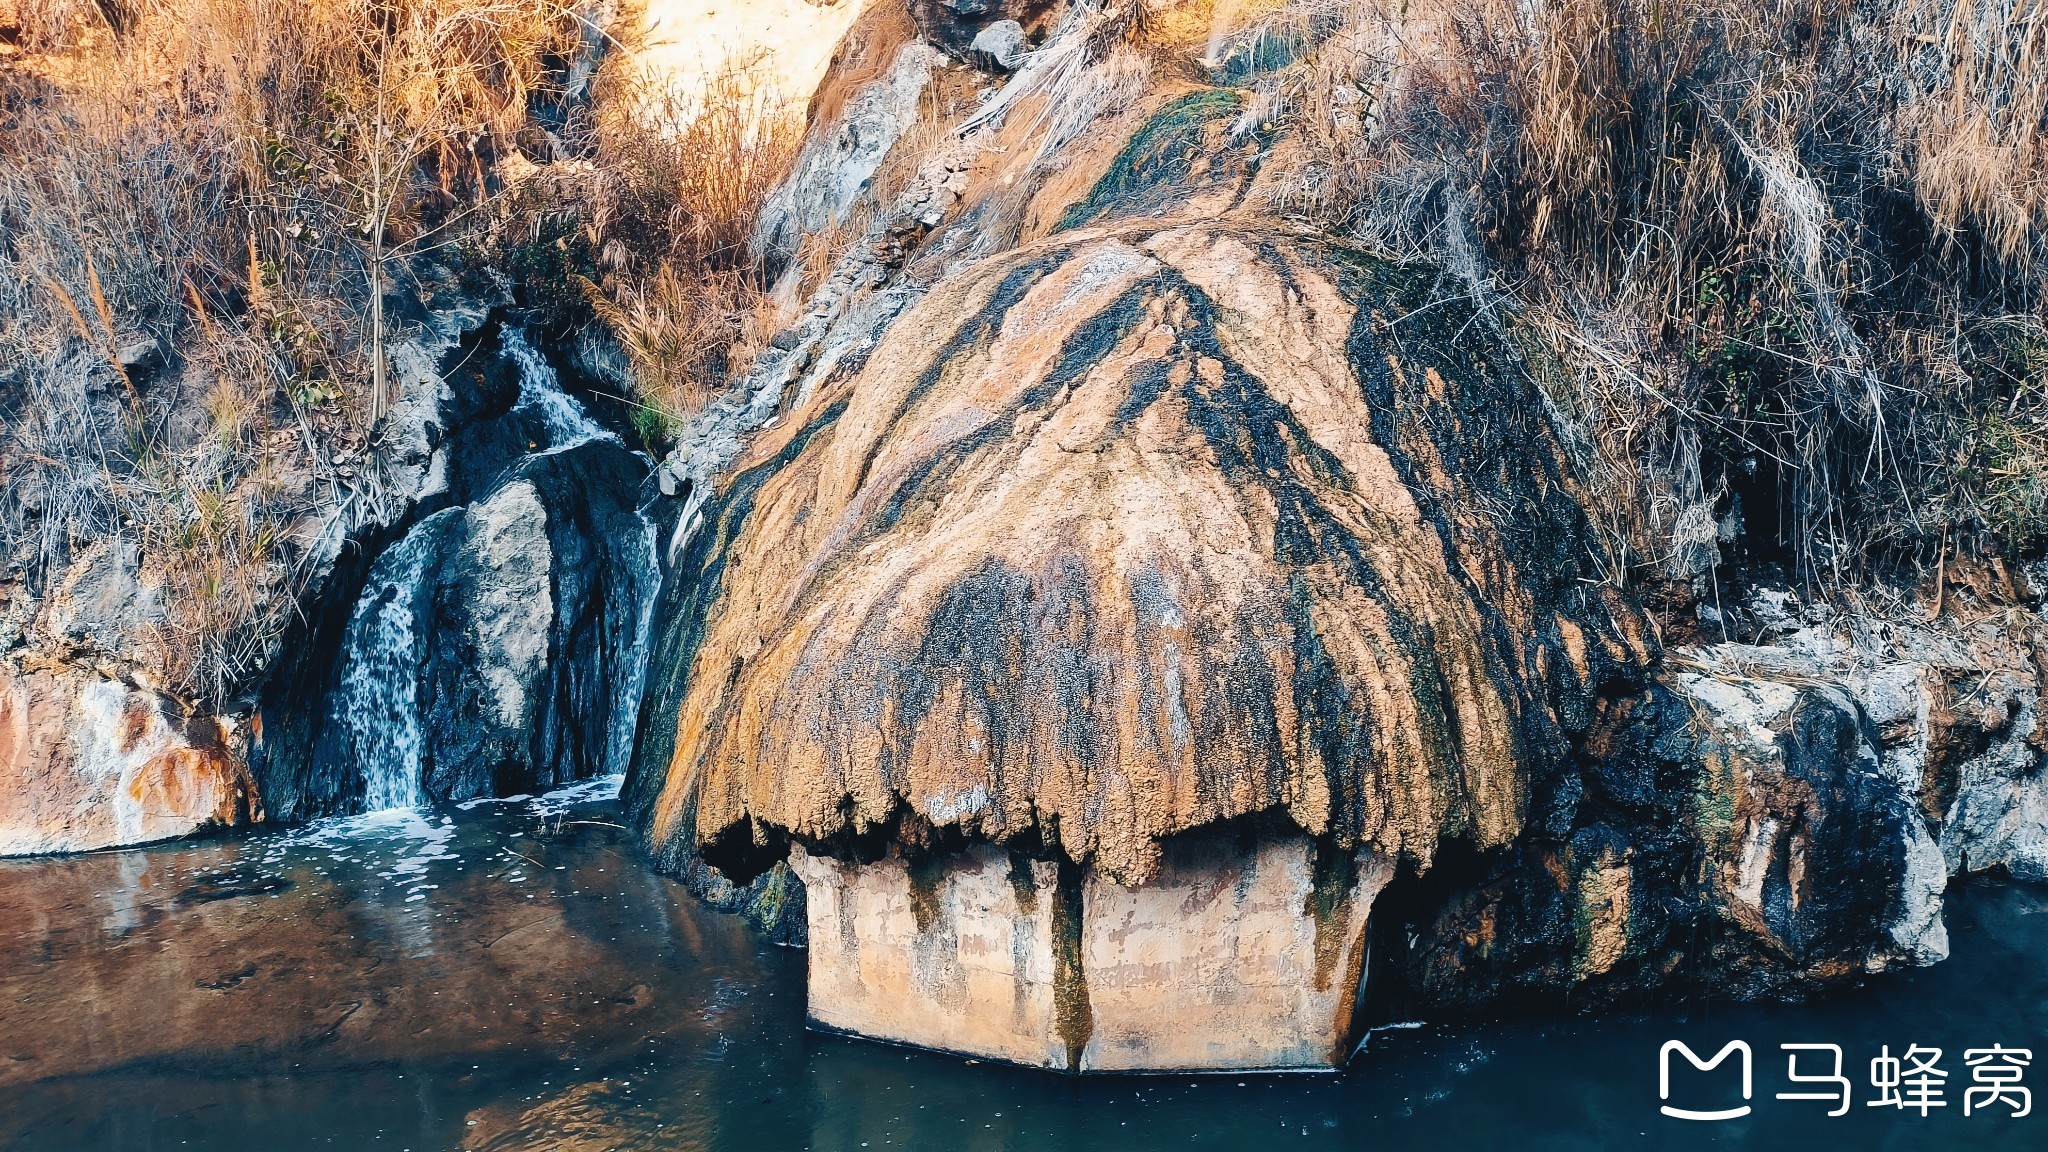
(509, 976)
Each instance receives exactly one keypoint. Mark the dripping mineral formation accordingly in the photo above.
(1148, 627)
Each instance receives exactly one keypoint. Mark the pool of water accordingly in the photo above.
(509, 975)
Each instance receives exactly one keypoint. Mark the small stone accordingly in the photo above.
(1001, 45)
(141, 350)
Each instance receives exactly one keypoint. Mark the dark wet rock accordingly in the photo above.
(1187, 150)
(506, 616)
(952, 25)
(1726, 838)
(772, 902)
(534, 623)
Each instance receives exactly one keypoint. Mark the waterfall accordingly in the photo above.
(568, 425)
(626, 705)
(375, 706)
(374, 709)
(540, 392)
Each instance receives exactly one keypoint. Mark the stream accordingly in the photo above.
(508, 974)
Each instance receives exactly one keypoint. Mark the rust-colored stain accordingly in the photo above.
(138, 713)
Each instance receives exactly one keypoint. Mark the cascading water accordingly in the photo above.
(375, 710)
(375, 706)
(626, 705)
(540, 392)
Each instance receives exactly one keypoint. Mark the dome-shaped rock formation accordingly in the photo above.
(1133, 531)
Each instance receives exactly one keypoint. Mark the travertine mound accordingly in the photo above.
(1135, 530)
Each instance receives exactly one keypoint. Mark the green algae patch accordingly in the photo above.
(1167, 157)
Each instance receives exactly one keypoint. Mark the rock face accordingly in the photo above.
(1213, 964)
(1137, 532)
(496, 647)
(1793, 799)
(1719, 835)
(1142, 530)
(87, 762)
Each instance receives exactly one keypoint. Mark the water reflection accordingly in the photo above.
(507, 975)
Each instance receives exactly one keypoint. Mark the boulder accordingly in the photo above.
(89, 762)
(493, 650)
(1112, 543)
(1000, 46)
(1133, 533)
(492, 646)
(1812, 851)
(952, 25)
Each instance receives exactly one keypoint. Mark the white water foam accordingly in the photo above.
(540, 392)
(397, 844)
(376, 702)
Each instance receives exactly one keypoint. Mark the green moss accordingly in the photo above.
(1714, 794)
(1329, 906)
(1164, 155)
(1072, 1015)
(2014, 500)
(776, 905)
(1262, 53)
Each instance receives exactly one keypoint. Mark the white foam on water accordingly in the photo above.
(396, 844)
(595, 790)
(473, 805)
(540, 392)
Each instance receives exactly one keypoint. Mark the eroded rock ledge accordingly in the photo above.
(1241, 952)
(1135, 533)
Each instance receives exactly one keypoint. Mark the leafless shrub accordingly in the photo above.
(650, 237)
(200, 205)
(1787, 253)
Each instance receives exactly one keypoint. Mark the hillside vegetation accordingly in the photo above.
(1780, 266)
(1783, 261)
(218, 217)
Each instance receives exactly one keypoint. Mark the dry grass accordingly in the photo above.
(196, 200)
(1779, 257)
(650, 238)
